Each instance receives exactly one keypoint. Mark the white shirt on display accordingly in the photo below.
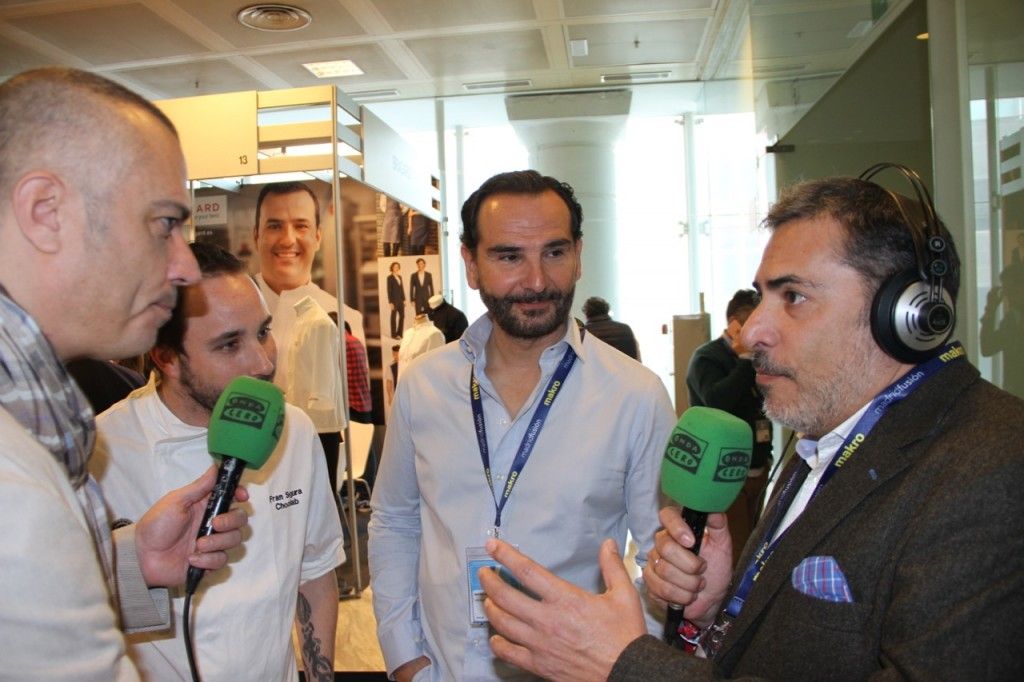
(314, 381)
(282, 308)
(423, 337)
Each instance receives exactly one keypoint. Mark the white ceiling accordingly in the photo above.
(422, 48)
(436, 48)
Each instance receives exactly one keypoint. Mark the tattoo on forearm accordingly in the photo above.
(318, 668)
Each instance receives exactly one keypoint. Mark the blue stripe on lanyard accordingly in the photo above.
(529, 438)
(896, 392)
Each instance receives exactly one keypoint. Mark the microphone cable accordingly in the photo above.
(782, 458)
(187, 629)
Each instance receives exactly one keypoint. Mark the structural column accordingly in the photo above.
(581, 151)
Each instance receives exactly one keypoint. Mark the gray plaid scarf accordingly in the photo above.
(38, 392)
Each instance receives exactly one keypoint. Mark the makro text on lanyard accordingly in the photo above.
(897, 391)
(529, 438)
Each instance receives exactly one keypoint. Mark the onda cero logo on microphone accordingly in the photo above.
(732, 465)
(245, 409)
(685, 450)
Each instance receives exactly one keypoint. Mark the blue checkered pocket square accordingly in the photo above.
(820, 577)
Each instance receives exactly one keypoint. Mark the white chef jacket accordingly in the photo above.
(242, 614)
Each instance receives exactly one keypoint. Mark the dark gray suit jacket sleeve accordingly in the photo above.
(648, 659)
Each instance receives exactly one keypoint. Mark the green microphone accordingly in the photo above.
(705, 466)
(245, 426)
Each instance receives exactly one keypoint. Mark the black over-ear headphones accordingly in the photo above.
(913, 313)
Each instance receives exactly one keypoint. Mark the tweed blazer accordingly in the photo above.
(925, 522)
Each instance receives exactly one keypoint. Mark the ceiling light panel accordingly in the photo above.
(377, 67)
(339, 68)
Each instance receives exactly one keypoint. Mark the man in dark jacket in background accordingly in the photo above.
(721, 375)
(615, 334)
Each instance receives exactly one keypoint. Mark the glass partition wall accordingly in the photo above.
(315, 139)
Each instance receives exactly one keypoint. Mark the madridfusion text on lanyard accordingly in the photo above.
(897, 391)
(529, 438)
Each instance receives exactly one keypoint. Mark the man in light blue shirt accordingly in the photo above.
(528, 429)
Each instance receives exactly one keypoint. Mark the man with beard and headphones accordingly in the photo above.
(891, 547)
(525, 429)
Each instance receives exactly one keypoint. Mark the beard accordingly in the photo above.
(818, 404)
(532, 325)
(203, 393)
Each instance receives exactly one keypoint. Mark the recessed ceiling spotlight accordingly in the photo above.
(273, 17)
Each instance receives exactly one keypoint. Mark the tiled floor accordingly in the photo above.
(355, 641)
(355, 644)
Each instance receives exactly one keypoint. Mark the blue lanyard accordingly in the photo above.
(529, 438)
(897, 391)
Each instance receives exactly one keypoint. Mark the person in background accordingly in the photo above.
(92, 202)
(360, 401)
(1006, 336)
(421, 287)
(419, 232)
(396, 300)
(157, 437)
(287, 234)
(457, 466)
(392, 379)
(721, 375)
(104, 382)
(391, 238)
(615, 334)
(891, 548)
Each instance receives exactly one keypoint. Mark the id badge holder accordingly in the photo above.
(477, 558)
